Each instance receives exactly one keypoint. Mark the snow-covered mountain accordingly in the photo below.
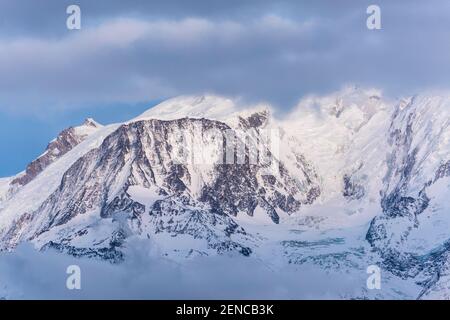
(340, 183)
(63, 143)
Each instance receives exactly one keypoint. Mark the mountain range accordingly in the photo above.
(339, 183)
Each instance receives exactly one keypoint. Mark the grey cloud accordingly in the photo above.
(262, 50)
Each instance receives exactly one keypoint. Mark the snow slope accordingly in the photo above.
(4, 188)
(203, 106)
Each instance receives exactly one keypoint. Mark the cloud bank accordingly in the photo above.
(28, 274)
(276, 51)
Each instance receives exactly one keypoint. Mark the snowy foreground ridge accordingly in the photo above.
(355, 181)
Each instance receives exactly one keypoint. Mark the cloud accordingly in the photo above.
(261, 50)
(129, 60)
(29, 274)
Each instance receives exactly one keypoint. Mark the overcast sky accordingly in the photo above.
(130, 53)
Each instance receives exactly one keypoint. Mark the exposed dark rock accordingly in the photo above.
(352, 190)
(65, 141)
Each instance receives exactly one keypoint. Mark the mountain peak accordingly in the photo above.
(89, 122)
(63, 143)
(200, 106)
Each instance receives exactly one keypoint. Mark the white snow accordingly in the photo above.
(259, 217)
(197, 107)
(89, 127)
(4, 184)
(4, 188)
(145, 196)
